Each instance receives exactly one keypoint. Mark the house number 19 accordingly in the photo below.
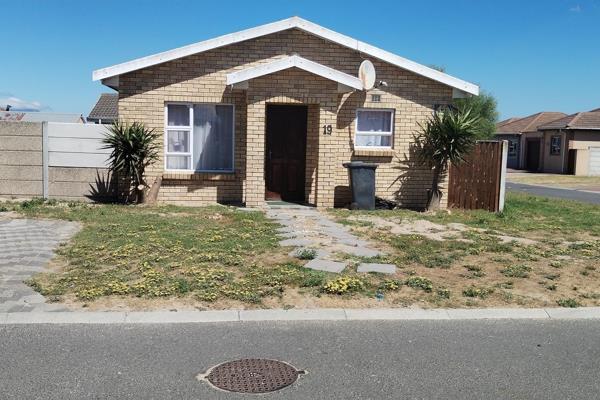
(327, 129)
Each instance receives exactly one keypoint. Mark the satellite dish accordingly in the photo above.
(366, 74)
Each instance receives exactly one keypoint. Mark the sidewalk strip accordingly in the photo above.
(574, 313)
(172, 317)
(65, 318)
(395, 314)
(325, 314)
(498, 313)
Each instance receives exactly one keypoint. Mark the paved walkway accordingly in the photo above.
(26, 247)
(547, 191)
(306, 228)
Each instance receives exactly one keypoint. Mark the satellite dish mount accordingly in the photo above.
(366, 74)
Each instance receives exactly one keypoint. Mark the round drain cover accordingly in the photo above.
(252, 375)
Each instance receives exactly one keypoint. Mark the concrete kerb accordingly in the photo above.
(65, 317)
(328, 314)
(172, 317)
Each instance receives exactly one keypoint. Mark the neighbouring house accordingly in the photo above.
(571, 145)
(524, 139)
(106, 109)
(506, 121)
(35, 116)
(273, 112)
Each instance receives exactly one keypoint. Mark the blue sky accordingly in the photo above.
(532, 55)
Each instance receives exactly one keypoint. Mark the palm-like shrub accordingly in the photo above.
(134, 147)
(446, 138)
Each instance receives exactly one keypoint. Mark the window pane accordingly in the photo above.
(374, 121)
(178, 115)
(373, 140)
(213, 137)
(555, 145)
(178, 142)
(512, 147)
(178, 162)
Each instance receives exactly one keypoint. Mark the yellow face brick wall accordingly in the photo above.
(201, 78)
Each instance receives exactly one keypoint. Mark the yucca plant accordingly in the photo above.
(446, 138)
(133, 148)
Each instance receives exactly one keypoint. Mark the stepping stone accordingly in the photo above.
(375, 267)
(326, 265)
(352, 241)
(295, 242)
(359, 251)
(336, 231)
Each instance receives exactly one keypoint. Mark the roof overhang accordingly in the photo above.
(240, 77)
(290, 23)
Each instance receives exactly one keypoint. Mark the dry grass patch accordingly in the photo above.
(557, 180)
(539, 252)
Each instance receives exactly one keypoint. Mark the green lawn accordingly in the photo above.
(220, 257)
(207, 254)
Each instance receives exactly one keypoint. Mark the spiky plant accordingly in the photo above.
(134, 147)
(446, 138)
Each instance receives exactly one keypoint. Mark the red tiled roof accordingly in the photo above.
(507, 121)
(582, 120)
(529, 123)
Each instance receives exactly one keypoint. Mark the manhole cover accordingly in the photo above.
(252, 375)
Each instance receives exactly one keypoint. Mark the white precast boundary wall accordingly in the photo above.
(76, 145)
(54, 160)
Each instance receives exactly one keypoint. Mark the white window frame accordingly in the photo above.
(190, 129)
(370, 133)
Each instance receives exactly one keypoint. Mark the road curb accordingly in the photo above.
(326, 314)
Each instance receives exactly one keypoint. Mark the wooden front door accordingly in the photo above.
(285, 152)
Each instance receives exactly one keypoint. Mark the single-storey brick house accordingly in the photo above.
(524, 139)
(571, 145)
(274, 111)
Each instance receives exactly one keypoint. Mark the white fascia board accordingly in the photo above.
(298, 62)
(278, 26)
(194, 48)
(386, 56)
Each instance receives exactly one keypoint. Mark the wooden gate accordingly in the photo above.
(478, 182)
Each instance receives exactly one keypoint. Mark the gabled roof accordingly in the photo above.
(106, 108)
(506, 121)
(109, 75)
(298, 62)
(529, 123)
(581, 120)
(35, 116)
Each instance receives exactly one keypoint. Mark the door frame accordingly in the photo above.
(267, 160)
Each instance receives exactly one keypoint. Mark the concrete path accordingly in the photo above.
(547, 191)
(26, 247)
(307, 228)
(447, 360)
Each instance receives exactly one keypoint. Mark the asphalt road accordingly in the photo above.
(569, 194)
(344, 360)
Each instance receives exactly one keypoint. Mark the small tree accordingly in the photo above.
(483, 106)
(446, 138)
(134, 147)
